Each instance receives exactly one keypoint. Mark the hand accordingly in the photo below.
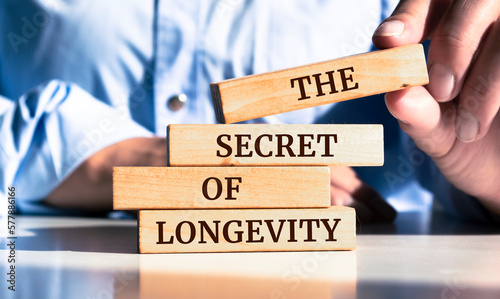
(455, 118)
(90, 186)
(346, 189)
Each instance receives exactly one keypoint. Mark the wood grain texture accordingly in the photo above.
(220, 187)
(235, 230)
(356, 76)
(260, 145)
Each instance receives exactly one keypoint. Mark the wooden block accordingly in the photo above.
(259, 145)
(220, 187)
(321, 83)
(166, 231)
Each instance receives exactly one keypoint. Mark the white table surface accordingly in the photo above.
(419, 256)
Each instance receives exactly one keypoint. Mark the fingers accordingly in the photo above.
(382, 211)
(344, 177)
(429, 123)
(340, 197)
(454, 43)
(458, 29)
(480, 97)
(411, 22)
(347, 189)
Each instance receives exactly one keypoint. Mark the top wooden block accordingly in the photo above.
(321, 83)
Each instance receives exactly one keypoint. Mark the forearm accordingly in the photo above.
(81, 190)
(90, 186)
(46, 139)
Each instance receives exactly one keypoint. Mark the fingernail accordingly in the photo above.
(467, 126)
(441, 82)
(390, 28)
(392, 113)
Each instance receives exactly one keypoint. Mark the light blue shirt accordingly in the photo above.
(78, 76)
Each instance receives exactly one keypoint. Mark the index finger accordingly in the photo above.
(454, 43)
(411, 22)
(457, 29)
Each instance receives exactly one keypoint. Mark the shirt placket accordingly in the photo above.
(175, 65)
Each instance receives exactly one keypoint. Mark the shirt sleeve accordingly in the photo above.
(48, 132)
(388, 7)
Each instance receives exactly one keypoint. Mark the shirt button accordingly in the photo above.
(176, 102)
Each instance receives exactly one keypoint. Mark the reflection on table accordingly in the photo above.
(419, 256)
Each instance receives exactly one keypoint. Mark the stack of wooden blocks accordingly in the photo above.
(264, 187)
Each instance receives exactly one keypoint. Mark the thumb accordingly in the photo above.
(412, 22)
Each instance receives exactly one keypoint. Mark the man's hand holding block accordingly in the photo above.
(140, 188)
(321, 83)
(163, 231)
(261, 145)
